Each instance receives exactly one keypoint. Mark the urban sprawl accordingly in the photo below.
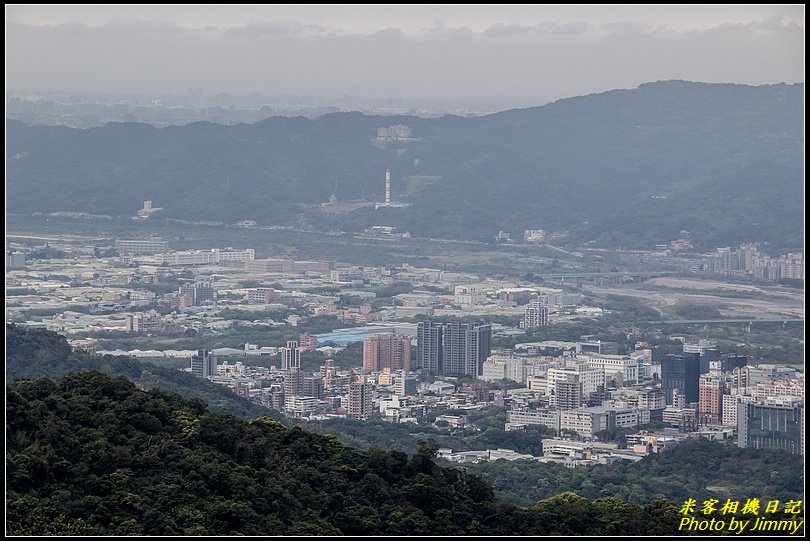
(416, 358)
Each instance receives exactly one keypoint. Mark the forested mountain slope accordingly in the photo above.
(625, 167)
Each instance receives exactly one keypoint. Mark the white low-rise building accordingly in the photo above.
(587, 421)
(621, 368)
(540, 416)
(498, 367)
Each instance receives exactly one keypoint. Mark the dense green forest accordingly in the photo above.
(697, 469)
(93, 455)
(722, 161)
(485, 432)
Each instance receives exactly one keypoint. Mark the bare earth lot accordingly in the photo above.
(755, 302)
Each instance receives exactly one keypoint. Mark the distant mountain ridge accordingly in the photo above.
(625, 167)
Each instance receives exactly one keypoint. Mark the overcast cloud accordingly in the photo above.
(539, 52)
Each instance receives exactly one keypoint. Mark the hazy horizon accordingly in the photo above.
(529, 54)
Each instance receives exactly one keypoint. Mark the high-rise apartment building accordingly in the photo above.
(730, 402)
(293, 383)
(565, 391)
(465, 347)
(291, 356)
(429, 346)
(360, 400)
(710, 405)
(454, 348)
(390, 351)
(478, 340)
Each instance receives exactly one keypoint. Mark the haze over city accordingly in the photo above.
(535, 53)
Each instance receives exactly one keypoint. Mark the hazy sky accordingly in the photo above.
(451, 52)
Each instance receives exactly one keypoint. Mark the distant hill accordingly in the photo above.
(626, 167)
(36, 353)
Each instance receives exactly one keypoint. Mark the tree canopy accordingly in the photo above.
(94, 455)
